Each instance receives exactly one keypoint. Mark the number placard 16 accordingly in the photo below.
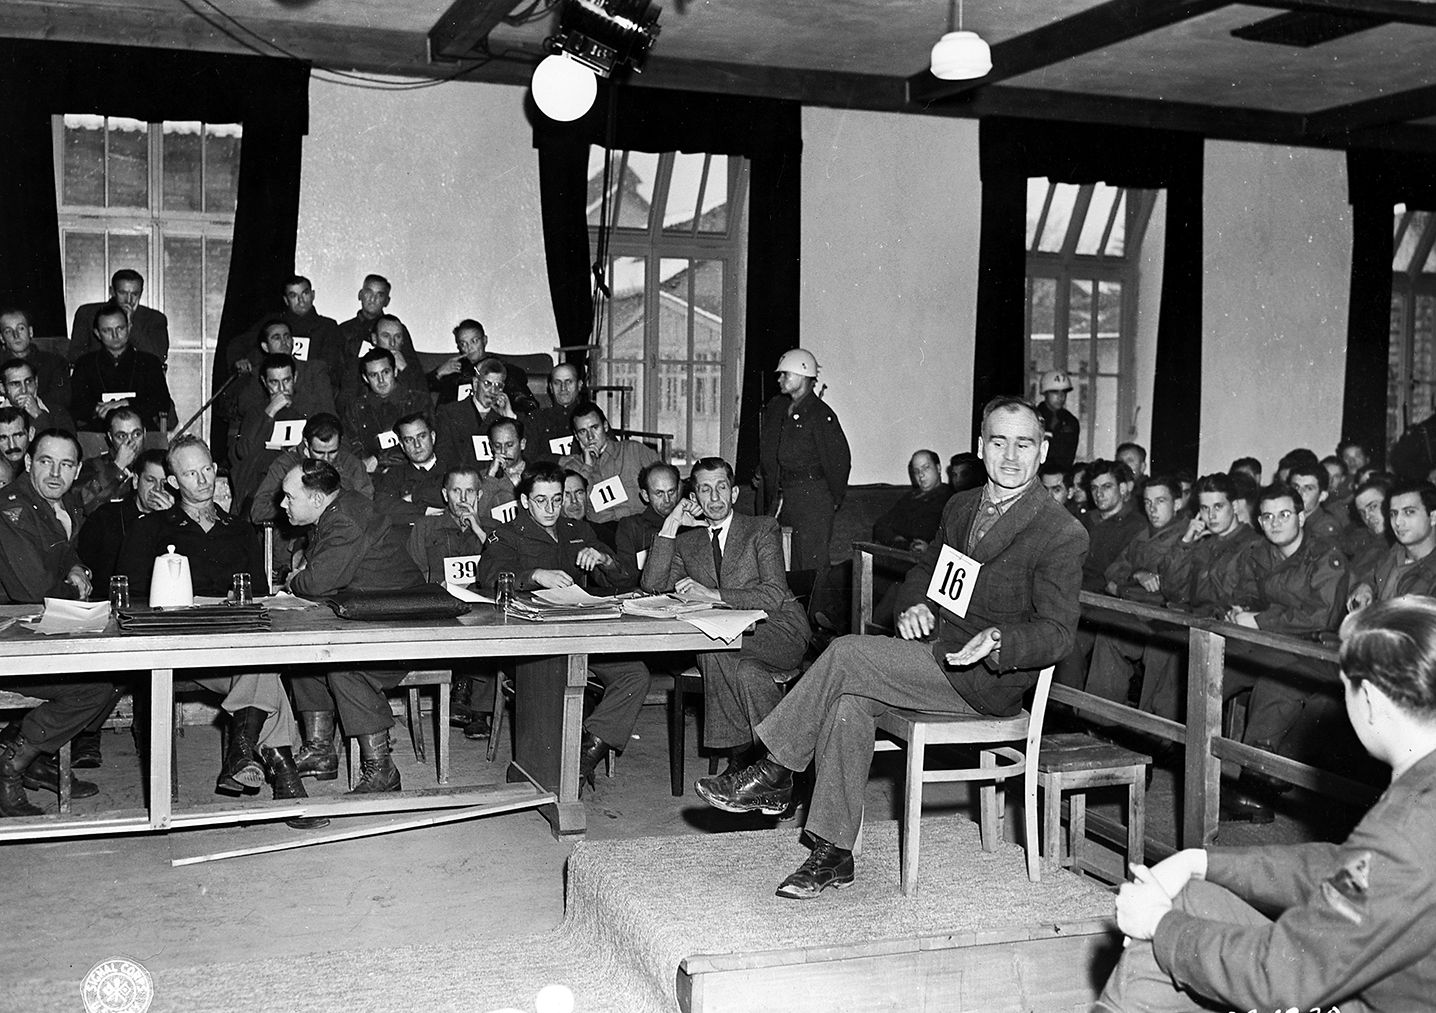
(953, 580)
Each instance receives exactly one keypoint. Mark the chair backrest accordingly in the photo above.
(1039, 710)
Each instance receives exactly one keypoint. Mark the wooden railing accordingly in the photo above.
(1208, 642)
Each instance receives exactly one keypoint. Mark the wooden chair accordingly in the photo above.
(997, 762)
(18, 701)
(442, 678)
(1074, 762)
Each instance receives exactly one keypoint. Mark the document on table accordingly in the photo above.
(464, 594)
(571, 595)
(284, 600)
(726, 625)
(65, 616)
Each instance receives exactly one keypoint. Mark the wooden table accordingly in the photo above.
(551, 672)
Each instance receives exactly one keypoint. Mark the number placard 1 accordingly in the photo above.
(460, 569)
(642, 557)
(562, 445)
(287, 433)
(463, 391)
(505, 512)
(301, 349)
(953, 580)
(608, 493)
(117, 395)
(482, 450)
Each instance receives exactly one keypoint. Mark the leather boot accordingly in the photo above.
(43, 774)
(288, 784)
(317, 757)
(16, 754)
(241, 773)
(376, 768)
(85, 750)
(591, 752)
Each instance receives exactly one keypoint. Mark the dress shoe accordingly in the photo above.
(479, 726)
(591, 752)
(765, 787)
(43, 774)
(828, 865)
(377, 772)
(288, 784)
(740, 757)
(85, 751)
(241, 773)
(317, 758)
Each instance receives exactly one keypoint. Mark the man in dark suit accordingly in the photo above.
(992, 602)
(737, 560)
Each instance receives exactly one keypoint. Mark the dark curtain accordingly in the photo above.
(1010, 151)
(269, 97)
(1376, 182)
(767, 132)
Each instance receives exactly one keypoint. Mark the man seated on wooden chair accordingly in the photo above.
(352, 546)
(39, 518)
(737, 560)
(262, 730)
(998, 587)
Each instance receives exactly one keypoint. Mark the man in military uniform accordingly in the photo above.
(16, 432)
(352, 546)
(285, 391)
(803, 460)
(322, 439)
(51, 371)
(369, 418)
(39, 518)
(448, 379)
(111, 475)
(1063, 429)
(554, 421)
(149, 329)
(600, 459)
(1409, 566)
(1310, 480)
(118, 375)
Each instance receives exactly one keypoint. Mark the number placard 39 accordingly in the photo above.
(953, 580)
(460, 569)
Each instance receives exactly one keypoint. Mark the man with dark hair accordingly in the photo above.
(1409, 566)
(406, 490)
(352, 546)
(104, 530)
(737, 560)
(660, 488)
(1338, 488)
(118, 375)
(1248, 465)
(1310, 481)
(551, 427)
(52, 372)
(975, 653)
(1354, 456)
(286, 392)
(16, 432)
(912, 521)
(575, 496)
(111, 475)
(544, 549)
(455, 373)
(149, 329)
(39, 517)
(391, 334)
(508, 444)
(965, 471)
(320, 441)
(370, 416)
(1134, 456)
(610, 466)
(463, 426)
(358, 331)
(1057, 482)
(1365, 542)
(21, 388)
(1301, 456)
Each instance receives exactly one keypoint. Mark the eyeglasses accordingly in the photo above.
(1280, 515)
(493, 386)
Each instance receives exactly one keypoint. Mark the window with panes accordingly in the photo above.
(1411, 365)
(670, 334)
(1083, 242)
(158, 198)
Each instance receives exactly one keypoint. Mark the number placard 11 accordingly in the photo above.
(953, 580)
(608, 493)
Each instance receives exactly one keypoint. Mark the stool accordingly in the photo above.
(18, 701)
(441, 678)
(1073, 762)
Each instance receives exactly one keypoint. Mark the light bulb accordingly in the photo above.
(563, 88)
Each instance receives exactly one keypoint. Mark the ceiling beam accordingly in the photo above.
(463, 30)
(1398, 107)
(1407, 12)
(1085, 32)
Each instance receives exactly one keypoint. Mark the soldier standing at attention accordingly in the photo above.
(1063, 429)
(803, 460)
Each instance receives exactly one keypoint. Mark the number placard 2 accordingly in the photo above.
(301, 349)
(482, 450)
(462, 392)
(460, 569)
(608, 493)
(953, 580)
(388, 439)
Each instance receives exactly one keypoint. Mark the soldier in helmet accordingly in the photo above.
(1062, 426)
(803, 460)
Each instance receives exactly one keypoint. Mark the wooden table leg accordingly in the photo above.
(548, 723)
(162, 703)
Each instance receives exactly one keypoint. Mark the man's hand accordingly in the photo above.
(80, 578)
(1242, 617)
(1178, 869)
(471, 521)
(979, 647)
(104, 408)
(450, 366)
(244, 367)
(277, 404)
(1360, 597)
(916, 623)
(690, 588)
(502, 406)
(126, 453)
(1150, 581)
(1141, 904)
(552, 578)
(590, 558)
(917, 545)
(371, 464)
(30, 403)
(1196, 530)
(590, 456)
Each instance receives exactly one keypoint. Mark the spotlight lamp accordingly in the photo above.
(595, 38)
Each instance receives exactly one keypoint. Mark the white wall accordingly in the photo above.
(891, 207)
(1277, 269)
(436, 189)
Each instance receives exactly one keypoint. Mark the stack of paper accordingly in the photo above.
(65, 616)
(663, 606)
(726, 625)
(562, 605)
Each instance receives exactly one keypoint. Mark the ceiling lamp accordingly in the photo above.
(595, 38)
(960, 55)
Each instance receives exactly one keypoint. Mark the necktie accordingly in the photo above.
(717, 558)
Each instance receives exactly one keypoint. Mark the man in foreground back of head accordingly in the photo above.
(992, 602)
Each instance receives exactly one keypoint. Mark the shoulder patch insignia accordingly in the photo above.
(13, 516)
(1346, 889)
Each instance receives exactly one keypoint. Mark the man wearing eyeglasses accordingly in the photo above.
(462, 422)
(1293, 584)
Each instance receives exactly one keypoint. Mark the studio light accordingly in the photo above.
(595, 38)
(960, 55)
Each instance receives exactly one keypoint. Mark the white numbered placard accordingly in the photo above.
(287, 433)
(505, 512)
(463, 392)
(387, 439)
(482, 450)
(608, 493)
(301, 349)
(460, 569)
(116, 395)
(642, 558)
(562, 446)
(953, 580)
(365, 348)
